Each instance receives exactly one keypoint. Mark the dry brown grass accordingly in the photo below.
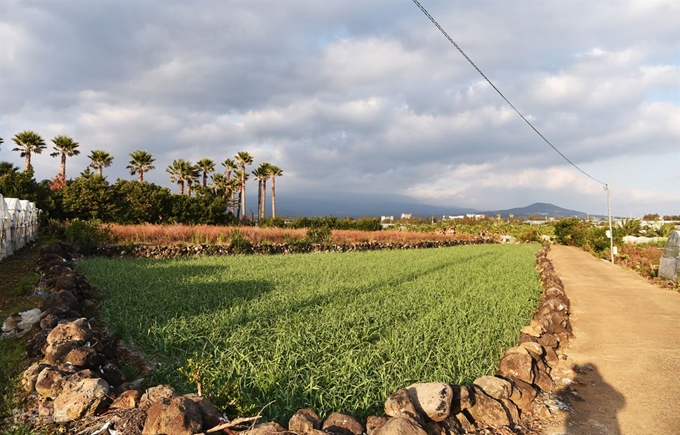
(208, 234)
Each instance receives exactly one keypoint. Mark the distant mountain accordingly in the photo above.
(538, 209)
(361, 205)
(341, 204)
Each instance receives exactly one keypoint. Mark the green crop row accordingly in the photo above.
(332, 332)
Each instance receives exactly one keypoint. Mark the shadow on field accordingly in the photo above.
(595, 403)
(182, 298)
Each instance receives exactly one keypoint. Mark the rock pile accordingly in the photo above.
(173, 251)
(77, 380)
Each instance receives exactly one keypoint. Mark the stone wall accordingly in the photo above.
(192, 250)
(76, 378)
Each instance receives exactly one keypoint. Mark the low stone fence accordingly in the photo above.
(192, 250)
(76, 378)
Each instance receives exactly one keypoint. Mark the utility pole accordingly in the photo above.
(611, 233)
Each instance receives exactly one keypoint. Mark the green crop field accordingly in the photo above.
(335, 332)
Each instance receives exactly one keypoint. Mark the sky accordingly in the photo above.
(362, 97)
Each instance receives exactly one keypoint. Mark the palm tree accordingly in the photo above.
(259, 174)
(264, 172)
(190, 176)
(239, 184)
(28, 142)
(1, 140)
(244, 159)
(64, 146)
(100, 159)
(206, 166)
(141, 162)
(229, 166)
(218, 182)
(274, 171)
(234, 185)
(177, 170)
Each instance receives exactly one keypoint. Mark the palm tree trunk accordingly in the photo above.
(273, 197)
(63, 165)
(259, 199)
(180, 184)
(28, 161)
(99, 170)
(243, 192)
(140, 177)
(189, 183)
(264, 198)
(205, 178)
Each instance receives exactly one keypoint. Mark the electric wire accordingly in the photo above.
(427, 14)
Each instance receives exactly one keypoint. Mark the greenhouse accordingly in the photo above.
(670, 260)
(18, 223)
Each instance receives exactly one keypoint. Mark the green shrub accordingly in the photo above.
(319, 235)
(272, 223)
(86, 235)
(239, 242)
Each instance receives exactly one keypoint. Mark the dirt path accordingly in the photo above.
(626, 349)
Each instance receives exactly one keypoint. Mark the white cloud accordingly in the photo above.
(362, 98)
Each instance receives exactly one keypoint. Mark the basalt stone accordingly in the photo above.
(518, 366)
(544, 381)
(55, 353)
(109, 347)
(65, 282)
(449, 426)
(30, 376)
(304, 421)
(511, 409)
(210, 415)
(112, 374)
(342, 424)
(155, 394)
(432, 400)
(548, 340)
(488, 411)
(551, 358)
(495, 387)
(49, 382)
(127, 399)
(400, 426)
(49, 321)
(87, 398)
(452, 426)
(523, 393)
(270, 428)
(72, 380)
(466, 422)
(399, 405)
(533, 347)
(77, 330)
(373, 423)
(85, 357)
(463, 398)
(62, 298)
(35, 345)
(176, 415)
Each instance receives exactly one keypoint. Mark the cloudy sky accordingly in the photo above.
(362, 96)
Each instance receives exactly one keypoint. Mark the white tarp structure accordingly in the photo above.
(5, 230)
(18, 223)
(670, 260)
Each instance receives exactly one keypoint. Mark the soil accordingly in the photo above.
(19, 275)
(625, 353)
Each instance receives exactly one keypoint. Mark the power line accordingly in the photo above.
(427, 14)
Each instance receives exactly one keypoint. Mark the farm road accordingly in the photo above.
(626, 348)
